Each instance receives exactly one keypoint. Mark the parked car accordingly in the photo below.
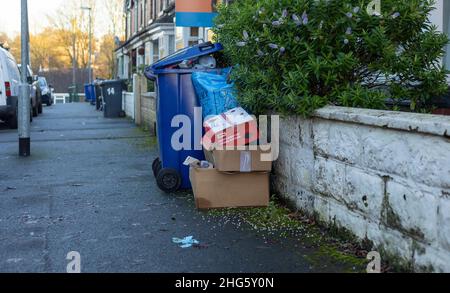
(46, 91)
(35, 91)
(9, 89)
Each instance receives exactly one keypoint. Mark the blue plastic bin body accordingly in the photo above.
(176, 96)
(89, 91)
(86, 92)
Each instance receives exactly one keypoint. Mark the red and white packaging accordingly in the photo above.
(231, 129)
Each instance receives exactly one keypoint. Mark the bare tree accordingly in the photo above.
(116, 27)
(72, 28)
(114, 10)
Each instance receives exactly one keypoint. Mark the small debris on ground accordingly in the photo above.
(186, 242)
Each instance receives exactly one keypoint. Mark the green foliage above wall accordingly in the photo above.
(294, 56)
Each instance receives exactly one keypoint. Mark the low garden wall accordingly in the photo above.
(128, 104)
(385, 176)
(148, 111)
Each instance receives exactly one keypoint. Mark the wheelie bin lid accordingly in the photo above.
(185, 54)
(112, 81)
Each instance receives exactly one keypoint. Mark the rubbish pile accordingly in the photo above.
(236, 171)
(226, 166)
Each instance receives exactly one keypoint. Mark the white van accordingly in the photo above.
(9, 88)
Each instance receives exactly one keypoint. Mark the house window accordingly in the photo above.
(155, 51)
(120, 66)
(162, 5)
(136, 16)
(171, 44)
(148, 53)
(148, 14)
(142, 13)
(194, 31)
(192, 43)
(128, 24)
(154, 9)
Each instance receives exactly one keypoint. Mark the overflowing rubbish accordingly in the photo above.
(186, 242)
(216, 95)
(231, 129)
(206, 62)
(188, 58)
(199, 164)
(176, 96)
(220, 176)
(215, 189)
(254, 158)
(239, 177)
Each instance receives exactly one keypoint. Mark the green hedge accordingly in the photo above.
(294, 56)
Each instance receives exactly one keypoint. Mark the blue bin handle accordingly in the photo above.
(188, 53)
(149, 74)
(206, 46)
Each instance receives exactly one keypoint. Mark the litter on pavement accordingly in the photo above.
(186, 242)
(221, 171)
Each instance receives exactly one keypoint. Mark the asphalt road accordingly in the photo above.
(88, 187)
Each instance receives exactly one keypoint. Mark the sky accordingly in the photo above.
(38, 11)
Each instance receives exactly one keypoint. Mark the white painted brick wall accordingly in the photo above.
(128, 104)
(444, 223)
(362, 192)
(383, 175)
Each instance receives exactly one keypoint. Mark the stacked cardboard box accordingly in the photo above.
(240, 175)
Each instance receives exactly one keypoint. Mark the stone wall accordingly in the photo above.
(383, 175)
(148, 111)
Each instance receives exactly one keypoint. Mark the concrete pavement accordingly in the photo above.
(88, 187)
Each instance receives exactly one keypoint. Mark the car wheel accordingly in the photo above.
(40, 108)
(35, 111)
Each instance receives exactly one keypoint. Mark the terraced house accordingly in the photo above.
(151, 35)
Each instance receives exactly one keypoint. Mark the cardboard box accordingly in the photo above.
(214, 189)
(232, 128)
(241, 160)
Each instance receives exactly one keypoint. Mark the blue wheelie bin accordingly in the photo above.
(89, 92)
(176, 96)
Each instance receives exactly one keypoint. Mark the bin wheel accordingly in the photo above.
(168, 180)
(156, 166)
